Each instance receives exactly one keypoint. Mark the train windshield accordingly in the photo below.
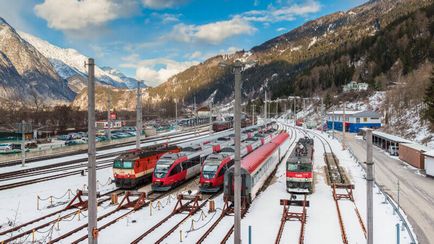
(209, 171)
(162, 168)
(119, 164)
(300, 167)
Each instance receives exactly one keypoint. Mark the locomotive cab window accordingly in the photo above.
(177, 169)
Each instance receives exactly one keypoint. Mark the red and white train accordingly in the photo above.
(256, 168)
(174, 168)
(299, 167)
(135, 167)
(215, 166)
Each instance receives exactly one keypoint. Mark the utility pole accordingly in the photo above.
(195, 114)
(210, 116)
(176, 114)
(369, 187)
(91, 154)
(237, 172)
(23, 143)
(253, 114)
(265, 108)
(343, 127)
(333, 124)
(109, 120)
(322, 115)
(295, 115)
(277, 109)
(138, 116)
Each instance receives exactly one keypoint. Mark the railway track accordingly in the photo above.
(118, 145)
(226, 211)
(31, 229)
(77, 168)
(24, 172)
(338, 180)
(288, 216)
(136, 206)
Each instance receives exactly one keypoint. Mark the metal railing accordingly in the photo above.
(389, 199)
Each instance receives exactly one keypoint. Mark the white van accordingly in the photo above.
(394, 150)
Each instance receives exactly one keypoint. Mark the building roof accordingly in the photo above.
(417, 147)
(366, 113)
(429, 153)
(390, 137)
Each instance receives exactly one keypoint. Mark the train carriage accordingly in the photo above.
(256, 168)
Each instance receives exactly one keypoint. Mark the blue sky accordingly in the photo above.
(154, 39)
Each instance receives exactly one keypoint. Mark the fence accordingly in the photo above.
(389, 199)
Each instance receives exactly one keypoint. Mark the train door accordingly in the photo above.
(193, 166)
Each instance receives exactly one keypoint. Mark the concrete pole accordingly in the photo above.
(293, 112)
(210, 116)
(322, 115)
(333, 124)
(237, 171)
(23, 144)
(109, 120)
(176, 114)
(139, 125)
(369, 187)
(265, 108)
(253, 114)
(277, 109)
(195, 114)
(91, 176)
(343, 127)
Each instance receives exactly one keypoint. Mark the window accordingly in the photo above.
(365, 119)
(357, 120)
(177, 169)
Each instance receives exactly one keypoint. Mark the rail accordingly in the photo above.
(389, 199)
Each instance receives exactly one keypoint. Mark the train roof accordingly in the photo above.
(252, 161)
(299, 160)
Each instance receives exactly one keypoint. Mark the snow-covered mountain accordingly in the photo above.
(25, 73)
(131, 83)
(69, 63)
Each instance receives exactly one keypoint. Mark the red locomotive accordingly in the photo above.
(299, 167)
(135, 167)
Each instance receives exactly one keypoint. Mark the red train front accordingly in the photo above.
(215, 166)
(174, 168)
(299, 167)
(135, 167)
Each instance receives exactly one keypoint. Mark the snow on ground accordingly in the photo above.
(263, 215)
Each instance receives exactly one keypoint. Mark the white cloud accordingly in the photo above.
(162, 4)
(156, 71)
(281, 29)
(73, 15)
(281, 13)
(167, 18)
(213, 33)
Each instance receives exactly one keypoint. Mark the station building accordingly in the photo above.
(354, 120)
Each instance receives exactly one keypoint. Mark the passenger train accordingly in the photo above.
(215, 166)
(299, 167)
(256, 168)
(136, 166)
(175, 168)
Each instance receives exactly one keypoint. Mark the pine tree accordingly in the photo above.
(429, 101)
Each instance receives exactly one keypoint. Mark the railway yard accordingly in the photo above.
(46, 201)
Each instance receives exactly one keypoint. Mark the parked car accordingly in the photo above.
(31, 145)
(76, 142)
(63, 137)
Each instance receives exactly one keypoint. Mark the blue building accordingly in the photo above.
(354, 120)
